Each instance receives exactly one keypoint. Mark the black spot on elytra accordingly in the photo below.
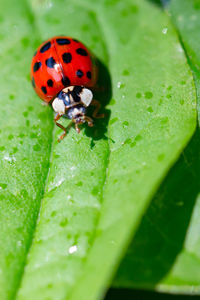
(89, 75)
(43, 88)
(45, 47)
(81, 51)
(50, 62)
(79, 73)
(65, 81)
(50, 82)
(63, 41)
(33, 82)
(36, 66)
(67, 57)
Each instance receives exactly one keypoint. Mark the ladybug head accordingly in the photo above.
(72, 101)
(77, 114)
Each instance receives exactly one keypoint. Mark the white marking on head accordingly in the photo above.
(86, 96)
(58, 106)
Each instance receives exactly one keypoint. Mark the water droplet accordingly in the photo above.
(10, 136)
(125, 73)
(127, 141)
(113, 121)
(9, 158)
(11, 97)
(138, 138)
(30, 108)
(119, 84)
(179, 48)
(36, 147)
(148, 95)
(33, 135)
(164, 120)
(161, 157)
(73, 249)
(53, 214)
(19, 243)
(15, 149)
(181, 102)
(64, 222)
(164, 31)
(95, 191)
(150, 109)
(60, 181)
(138, 95)
(25, 114)
(133, 144)
(3, 186)
(125, 123)
(112, 102)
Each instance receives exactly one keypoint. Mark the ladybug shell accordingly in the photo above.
(60, 62)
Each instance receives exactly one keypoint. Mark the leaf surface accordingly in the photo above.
(164, 254)
(100, 182)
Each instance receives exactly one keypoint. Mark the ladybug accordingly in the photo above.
(62, 71)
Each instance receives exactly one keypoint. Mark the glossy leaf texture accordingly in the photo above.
(92, 189)
(165, 252)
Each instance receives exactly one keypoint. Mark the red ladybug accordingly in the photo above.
(62, 69)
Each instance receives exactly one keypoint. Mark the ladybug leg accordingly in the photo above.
(97, 108)
(89, 121)
(77, 128)
(57, 117)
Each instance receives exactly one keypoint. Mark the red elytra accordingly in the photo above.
(60, 62)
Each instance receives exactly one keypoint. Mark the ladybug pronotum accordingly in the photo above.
(62, 71)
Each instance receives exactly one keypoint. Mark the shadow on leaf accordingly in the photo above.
(103, 94)
(126, 294)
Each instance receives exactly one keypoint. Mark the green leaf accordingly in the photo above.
(164, 254)
(100, 182)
